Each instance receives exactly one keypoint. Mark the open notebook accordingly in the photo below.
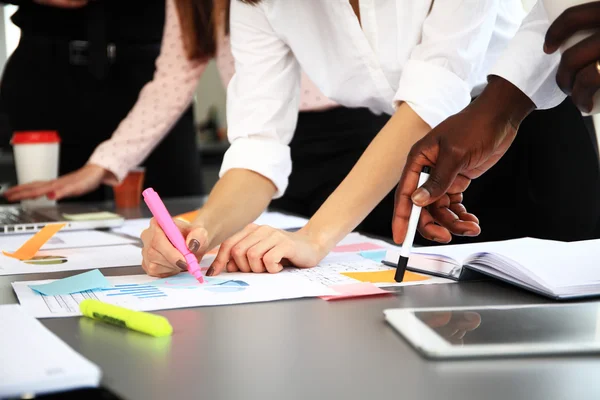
(558, 270)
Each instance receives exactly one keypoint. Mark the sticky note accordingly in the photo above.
(386, 276)
(33, 245)
(188, 216)
(73, 284)
(375, 255)
(352, 290)
(356, 247)
(94, 216)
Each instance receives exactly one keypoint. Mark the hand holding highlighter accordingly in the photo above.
(165, 221)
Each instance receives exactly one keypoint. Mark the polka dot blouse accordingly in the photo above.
(164, 99)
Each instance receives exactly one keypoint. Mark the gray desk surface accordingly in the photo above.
(312, 349)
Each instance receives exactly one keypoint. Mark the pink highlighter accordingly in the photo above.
(164, 219)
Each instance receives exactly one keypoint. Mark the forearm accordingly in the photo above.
(374, 175)
(504, 101)
(237, 199)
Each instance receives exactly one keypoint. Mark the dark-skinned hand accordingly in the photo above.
(460, 149)
(578, 74)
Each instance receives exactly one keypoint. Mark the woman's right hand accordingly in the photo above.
(76, 183)
(161, 258)
(63, 3)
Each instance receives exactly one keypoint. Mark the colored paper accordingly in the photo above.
(353, 290)
(33, 245)
(386, 276)
(74, 284)
(375, 255)
(356, 247)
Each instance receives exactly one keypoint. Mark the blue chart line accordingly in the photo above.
(139, 291)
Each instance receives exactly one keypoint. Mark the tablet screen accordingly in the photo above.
(577, 323)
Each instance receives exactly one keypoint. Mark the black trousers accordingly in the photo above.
(547, 185)
(40, 89)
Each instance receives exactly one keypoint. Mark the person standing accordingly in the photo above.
(78, 69)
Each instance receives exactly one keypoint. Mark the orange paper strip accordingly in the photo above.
(33, 245)
(188, 216)
(384, 276)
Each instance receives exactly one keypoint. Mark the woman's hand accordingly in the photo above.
(76, 183)
(578, 75)
(265, 249)
(161, 258)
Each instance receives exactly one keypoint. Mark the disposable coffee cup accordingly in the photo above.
(36, 159)
(129, 193)
(554, 8)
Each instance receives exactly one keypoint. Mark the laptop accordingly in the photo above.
(16, 219)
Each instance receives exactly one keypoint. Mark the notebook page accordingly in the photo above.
(559, 266)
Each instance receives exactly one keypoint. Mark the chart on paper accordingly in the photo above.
(144, 293)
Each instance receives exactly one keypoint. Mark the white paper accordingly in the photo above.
(73, 260)
(67, 240)
(34, 360)
(139, 292)
(280, 221)
(133, 227)
(134, 292)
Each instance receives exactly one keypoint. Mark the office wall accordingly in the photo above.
(210, 93)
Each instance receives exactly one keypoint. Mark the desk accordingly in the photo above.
(312, 349)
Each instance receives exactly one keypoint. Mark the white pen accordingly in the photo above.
(413, 222)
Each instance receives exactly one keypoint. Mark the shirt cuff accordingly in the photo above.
(433, 92)
(118, 169)
(534, 77)
(271, 159)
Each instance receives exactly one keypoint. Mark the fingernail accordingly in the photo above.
(471, 233)
(51, 195)
(193, 245)
(210, 271)
(420, 196)
(182, 265)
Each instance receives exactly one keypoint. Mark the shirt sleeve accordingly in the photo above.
(160, 104)
(525, 64)
(262, 97)
(437, 79)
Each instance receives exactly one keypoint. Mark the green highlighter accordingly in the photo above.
(144, 322)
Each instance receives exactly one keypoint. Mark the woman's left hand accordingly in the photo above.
(265, 249)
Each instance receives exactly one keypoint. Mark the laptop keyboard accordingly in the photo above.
(15, 215)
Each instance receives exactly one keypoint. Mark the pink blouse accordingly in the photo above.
(164, 99)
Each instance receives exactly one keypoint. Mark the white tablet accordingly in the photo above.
(500, 331)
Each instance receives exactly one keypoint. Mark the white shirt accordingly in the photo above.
(430, 57)
(525, 64)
